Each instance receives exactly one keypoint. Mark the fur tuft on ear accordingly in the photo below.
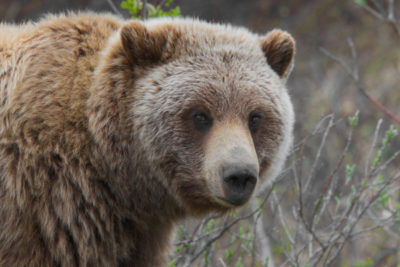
(279, 49)
(141, 45)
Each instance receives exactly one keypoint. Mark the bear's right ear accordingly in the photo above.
(279, 49)
(143, 46)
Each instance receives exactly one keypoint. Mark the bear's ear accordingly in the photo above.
(143, 46)
(279, 49)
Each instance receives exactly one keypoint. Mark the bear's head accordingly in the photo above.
(203, 106)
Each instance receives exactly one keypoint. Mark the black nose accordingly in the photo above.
(239, 181)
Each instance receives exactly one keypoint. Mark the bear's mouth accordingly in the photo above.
(230, 203)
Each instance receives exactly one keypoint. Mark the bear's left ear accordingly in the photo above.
(279, 49)
(143, 46)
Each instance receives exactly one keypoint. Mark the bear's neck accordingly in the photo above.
(151, 242)
(152, 215)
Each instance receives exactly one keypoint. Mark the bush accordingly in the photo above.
(142, 9)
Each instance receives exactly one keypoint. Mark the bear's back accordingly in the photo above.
(45, 75)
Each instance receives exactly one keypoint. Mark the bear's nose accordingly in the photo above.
(239, 181)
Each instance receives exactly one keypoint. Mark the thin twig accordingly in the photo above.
(355, 76)
(228, 226)
(318, 156)
(113, 7)
(144, 10)
(386, 16)
(373, 145)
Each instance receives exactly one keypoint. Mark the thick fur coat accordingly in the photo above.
(100, 153)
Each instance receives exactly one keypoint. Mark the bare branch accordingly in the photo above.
(113, 7)
(318, 156)
(353, 73)
(263, 238)
(144, 10)
(386, 16)
(373, 145)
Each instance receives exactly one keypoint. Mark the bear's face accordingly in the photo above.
(209, 113)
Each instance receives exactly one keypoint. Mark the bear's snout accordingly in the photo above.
(238, 182)
(231, 165)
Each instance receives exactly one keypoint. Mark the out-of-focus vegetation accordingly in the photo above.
(337, 202)
(143, 9)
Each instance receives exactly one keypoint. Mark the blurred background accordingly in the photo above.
(319, 86)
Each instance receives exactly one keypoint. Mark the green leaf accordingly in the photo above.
(250, 246)
(228, 254)
(318, 204)
(234, 213)
(205, 257)
(354, 120)
(266, 261)
(360, 2)
(172, 263)
(210, 225)
(176, 12)
(377, 158)
(389, 135)
(349, 172)
(241, 231)
(135, 7)
(239, 262)
(364, 183)
(125, 5)
(379, 179)
(384, 198)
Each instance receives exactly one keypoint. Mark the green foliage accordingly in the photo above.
(239, 262)
(318, 204)
(398, 258)
(349, 172)
(398, 211)
(390, 134)
(266, 261)
(228, 255)
(210, 225)
(278, 250)
(172, 263)
(360, 2)
(241, 231)
(135, 7)
(250, 243)
(364, 183)
(379, 179)
(205, 257)
(354, 120)
(365, 263)
(181, 231)
(384, 198)
(234, 213)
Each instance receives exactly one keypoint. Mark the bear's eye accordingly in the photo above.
(255, 121)
(201, 120)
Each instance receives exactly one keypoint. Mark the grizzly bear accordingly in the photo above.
(112, 131)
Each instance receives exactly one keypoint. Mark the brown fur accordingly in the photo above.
(98, 160)
(278, 47)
